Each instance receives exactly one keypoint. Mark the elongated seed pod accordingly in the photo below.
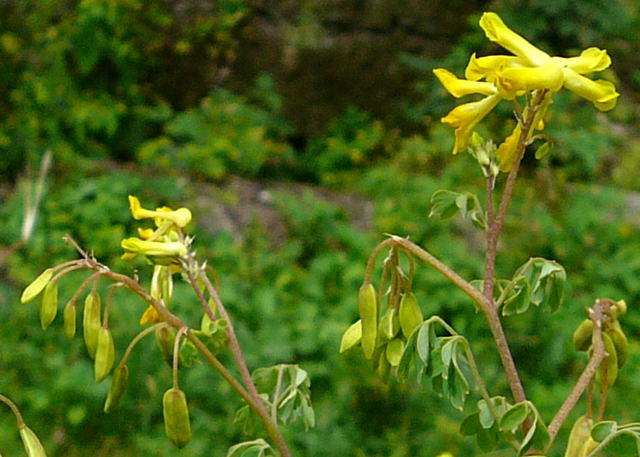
(49, 304)
(176, 417)
(619, 341)
(609, 366)
(579, 436)
(91, 322)
(117, 388)
(31, 443)
(165, 337)
(394, 351)
(105, 354)
(351, 337)
(368, 307)
(69, 316)
(389, 324)
(37, 286)
(410, 314)
(582, 335)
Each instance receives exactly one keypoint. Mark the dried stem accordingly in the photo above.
(585, 379)
(176, 357)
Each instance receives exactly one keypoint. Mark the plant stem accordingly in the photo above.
(137, 339)
(587, 375)
(14, 410)
(255, 404)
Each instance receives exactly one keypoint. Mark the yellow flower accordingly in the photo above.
(465, 117)
(180, 217)
(510, 76)
(169, 249)
(507, 150)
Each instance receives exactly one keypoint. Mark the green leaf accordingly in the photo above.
(514, 416)
(470, 425)
(423, 342)
(603, 429)
(484, 414)
(446, 204)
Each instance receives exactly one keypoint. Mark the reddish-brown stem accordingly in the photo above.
(586, 378)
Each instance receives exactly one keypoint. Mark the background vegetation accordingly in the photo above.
(299, 132)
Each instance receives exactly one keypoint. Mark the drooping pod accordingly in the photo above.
(410, 314)
(579, 437)
(91, 322)
(69, 316)
(582, 335)
(609, 367)
(177, 424)
(105, 354)
(37, 286)
(368, 307)
(117, 388)
(49, 304)
(31, 443)
(619, 341)
(351, 337)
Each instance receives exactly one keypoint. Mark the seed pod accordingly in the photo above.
(410, 314)
(368, 307)
(165, 338)
(31, 443)
(49, 304)
(37, 286)
(351, 337)
(582, 335)
(619, 309)
(589, 446)
(91, 322)
(389, 324)
(609, 366)
(118, 386)
(70, 320)
(394, 351)
(580, 433)
(176, 417)
(619, 341)
(105, 354)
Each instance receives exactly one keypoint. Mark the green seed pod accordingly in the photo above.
(394, 351)
(368, 307)
(118, 386)
(105, 354)
(176, 417)
(580, 434)
(582, 335)
(31, 443)
(351, 337)
(91, 322)
(609, 367)
(619, 341)
(589, 446)
(619, 309)
(70, 320)
(165, 338)
(49, 305)
(410, 314)
(389, 324)
(37, 286)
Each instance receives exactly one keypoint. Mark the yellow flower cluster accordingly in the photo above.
(506, 77)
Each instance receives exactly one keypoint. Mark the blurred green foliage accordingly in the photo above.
(155, 99)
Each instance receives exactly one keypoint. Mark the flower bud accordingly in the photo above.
(31, 443)
(176, 417)
(118, 386)
(105, 354)
(91, 322)
(49, 304)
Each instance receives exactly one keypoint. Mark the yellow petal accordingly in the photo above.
(145, 234)
(511, 81)
(461, 87)
(590, 60)
(150, 316)
(153, 248)
(180, 217)
(498, 32)
(485, 67)
(465, 117)
(507, 150)
(601, 93)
